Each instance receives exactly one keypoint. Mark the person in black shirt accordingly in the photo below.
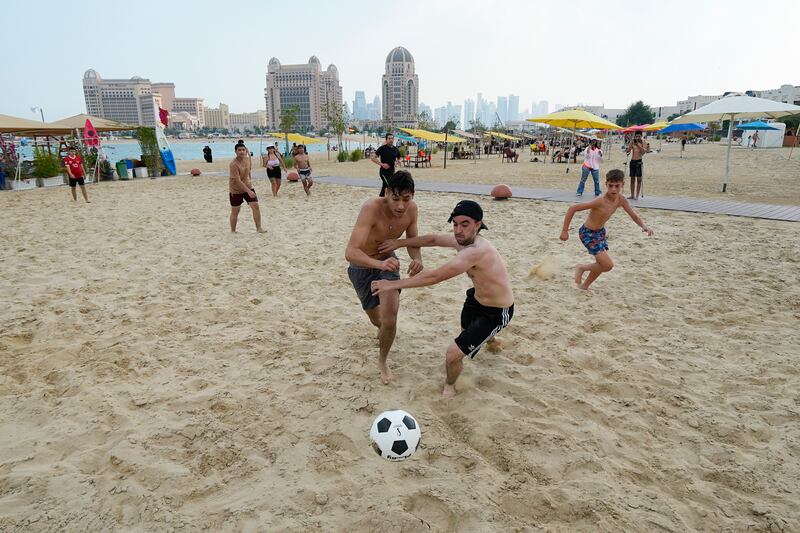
(388, 155)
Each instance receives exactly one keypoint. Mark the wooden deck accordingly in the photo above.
(790, 213)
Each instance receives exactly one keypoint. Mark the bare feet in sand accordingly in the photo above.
(494, 346)
(261, 230)
(448, 391)
(386, 374)
(578, 275)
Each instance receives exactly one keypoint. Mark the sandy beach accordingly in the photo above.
(158, 373)
(763, 176)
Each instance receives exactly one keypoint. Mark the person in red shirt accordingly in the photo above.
(74, 166)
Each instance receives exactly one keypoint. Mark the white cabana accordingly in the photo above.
(734, 108)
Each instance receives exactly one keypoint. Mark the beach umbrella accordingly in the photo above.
(737, 107)
(575, 119)
(757, 125)
(692, 126)
(657, 126)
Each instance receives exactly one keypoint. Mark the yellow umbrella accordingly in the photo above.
(576, 119)
(657, 126)
(500, 135)
(432, 136)
(295, 137)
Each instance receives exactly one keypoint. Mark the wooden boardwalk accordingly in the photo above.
(790, 213)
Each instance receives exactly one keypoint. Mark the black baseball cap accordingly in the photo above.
(470, 209)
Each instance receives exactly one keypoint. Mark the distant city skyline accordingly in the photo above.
(604, 70)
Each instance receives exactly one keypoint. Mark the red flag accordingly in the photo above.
(163, 116)
(90, 135)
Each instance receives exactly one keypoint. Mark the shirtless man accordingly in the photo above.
(240, 187)
(637, 149)
(490, 303)
(380, 219)
(303, 166)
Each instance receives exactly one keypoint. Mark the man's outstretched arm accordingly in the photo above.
(465, 260)
(445, 241)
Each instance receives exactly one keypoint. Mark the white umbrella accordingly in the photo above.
(737, 107)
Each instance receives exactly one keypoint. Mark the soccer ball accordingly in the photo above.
(395, 435)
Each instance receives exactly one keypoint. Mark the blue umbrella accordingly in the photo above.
(757, 125)
(692, 126)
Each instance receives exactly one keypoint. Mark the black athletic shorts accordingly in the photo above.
(480, 324)
(74, 182)
(636, 168)
(274, 173)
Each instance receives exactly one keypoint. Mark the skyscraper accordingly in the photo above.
(305, 86)
(360, 106)
(469, 113)
(513, 107)
(124, 100)
(502, 109)
(400, 89)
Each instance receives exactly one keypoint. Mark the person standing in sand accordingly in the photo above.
(274, 163)
(591, 165)
(489, 306)
(637, 149)
(593, 231)
(303, 166)
(240, 187)
(754, 138)
(380, 219)
(389, 155)
(74, 165)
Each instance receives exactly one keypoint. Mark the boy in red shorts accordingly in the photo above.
(593, 231)
(74, 165)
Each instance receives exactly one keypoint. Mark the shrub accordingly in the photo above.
(716, 138)
(289, 162)
(402, 151)
(342, 156)
(435, 150)
(356, 155)
(45, 164)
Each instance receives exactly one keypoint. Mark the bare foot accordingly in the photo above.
(261, 230)
(631, 198)
(386, 374)
(494, 346)
(578, 275)
(448, 391)
(88, 201)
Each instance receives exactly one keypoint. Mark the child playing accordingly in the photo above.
(593, 231)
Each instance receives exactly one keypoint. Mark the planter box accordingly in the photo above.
(23, 185)
(55, 181)
(140, 172)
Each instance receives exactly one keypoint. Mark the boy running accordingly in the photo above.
(593, 231)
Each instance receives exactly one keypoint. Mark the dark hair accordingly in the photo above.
(238, 144)
(387, 135)
(400, 182)
(615, 175)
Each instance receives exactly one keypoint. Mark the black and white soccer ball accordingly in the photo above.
(395, 435)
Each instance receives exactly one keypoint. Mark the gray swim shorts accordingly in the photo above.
(362, 279)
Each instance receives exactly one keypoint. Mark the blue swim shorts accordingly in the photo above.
(594, 240)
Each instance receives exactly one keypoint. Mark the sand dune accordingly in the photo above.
(158, 373)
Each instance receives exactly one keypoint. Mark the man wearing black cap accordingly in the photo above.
(490, 303)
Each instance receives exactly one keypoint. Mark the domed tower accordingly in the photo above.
(400, 89)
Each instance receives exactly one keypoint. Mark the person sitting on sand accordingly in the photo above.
(240, 187)
(490, 303)
(303, 165)
(382, 218)
(510, 154)
(593, 231)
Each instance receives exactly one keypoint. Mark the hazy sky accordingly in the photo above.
(611, 52)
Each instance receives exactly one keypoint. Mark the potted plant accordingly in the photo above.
(151, 155)
(47, 168)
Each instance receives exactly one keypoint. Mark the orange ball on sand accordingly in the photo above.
(195, 172)
(293, 176)
(501, 192)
